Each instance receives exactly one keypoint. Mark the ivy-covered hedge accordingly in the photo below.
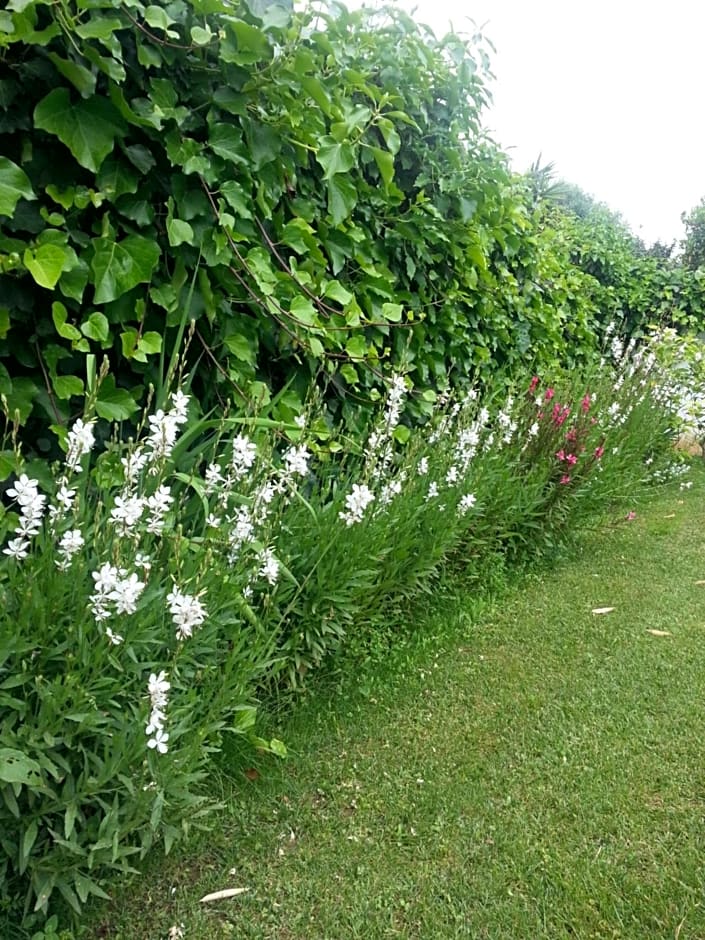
(314, 190)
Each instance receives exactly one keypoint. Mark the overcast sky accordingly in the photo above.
(611, 91)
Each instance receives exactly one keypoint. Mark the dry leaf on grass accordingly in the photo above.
(602, 610)
(222, 895)
(671, 515)
(700, 582)
(659, 633)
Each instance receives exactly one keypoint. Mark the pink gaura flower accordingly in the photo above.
(599, 451)
(560, 455)
(549, 394)
(572, 435)
(630, 516)
(534, 383)
(571, 459)
(565, 479)
(585, 404)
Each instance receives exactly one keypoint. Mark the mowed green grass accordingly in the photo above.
(535, 771)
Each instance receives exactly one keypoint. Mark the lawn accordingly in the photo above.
(529, 769)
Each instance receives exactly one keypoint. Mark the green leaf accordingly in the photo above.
(47, 263)
(200, 36)
(342, 198)
(304, 311)
(260, 266)
(251, 44)
(21, 399)
(67, 385)
(151, 342)
(60, 315)
(73, 282)
(356, 347)
(385, 164)
(16, 767)
(392, 312)
(391, 137)
(101, 27)
(241, 347)
(227, 141)
(120, 266)
(158, 18)
(335, 157)
(335, 291)
(236, 198)
(179, 232)
(140, 157)
(28, 839)
(14, 185)
(316, 347)
(96, 327)
(80, 77)
(271, 12)
(114, 404)
(4, 323)
(115, 178)
(87, 128)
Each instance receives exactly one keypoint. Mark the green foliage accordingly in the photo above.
(313, 189)
(694, 243)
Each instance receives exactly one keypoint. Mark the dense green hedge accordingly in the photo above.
(314, 190)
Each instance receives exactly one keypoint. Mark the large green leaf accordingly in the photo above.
(88, 128)
(342, 198)
(120, 266)
(335, 157)
(114, 404)
(116, 178)
(16, 767)
(14, 185)
(46, 263)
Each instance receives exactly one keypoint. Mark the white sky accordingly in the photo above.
(611, 91)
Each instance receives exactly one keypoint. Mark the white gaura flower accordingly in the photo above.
(356, 503)
(432, 491)
(26, 494)
(127, 512)
(214, 478)
(296, 461)
(114, 638)
(158, 505)
(244, 456)
(126, 593)
(187, 612)
(422, 468)
(389, 491)
(65, 497)
(133, 464)
(158, 687)
(16, 548)
(80, 442)
(70, 543)
(242, 530)
(269, 567)
(179, 406)
(24, 491)
(466, 503)
(452, 475)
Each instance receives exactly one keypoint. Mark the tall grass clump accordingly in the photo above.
(156, 585)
